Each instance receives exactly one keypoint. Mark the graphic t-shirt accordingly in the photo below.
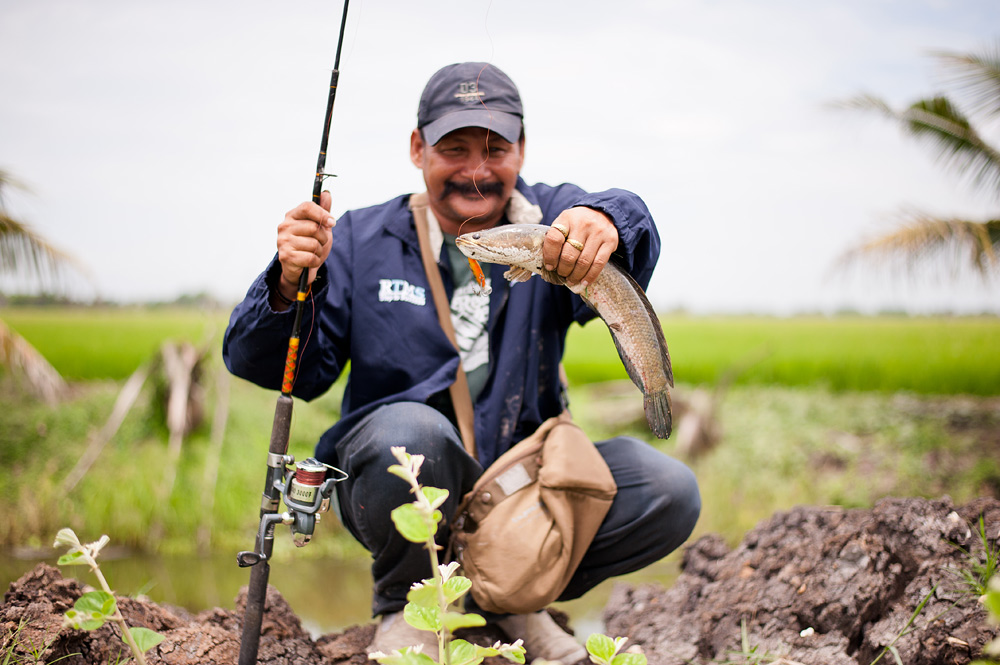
(469, 314)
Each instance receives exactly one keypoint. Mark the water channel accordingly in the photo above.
(327, 594)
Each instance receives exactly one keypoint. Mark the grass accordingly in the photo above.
(974, 578)
(802, 422)
(926, 355)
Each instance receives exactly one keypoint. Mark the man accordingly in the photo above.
(370, 305)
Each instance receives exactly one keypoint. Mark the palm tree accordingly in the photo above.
(960, 147)
(24, 252)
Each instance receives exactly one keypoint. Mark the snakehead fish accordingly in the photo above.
(616, 298)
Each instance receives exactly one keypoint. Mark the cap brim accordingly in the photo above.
(506, 125)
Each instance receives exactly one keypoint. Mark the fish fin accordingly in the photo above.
(552, 277)
(516, 274)
(658, 416)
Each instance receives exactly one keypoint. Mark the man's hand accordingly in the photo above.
(304, 242)
(579, 244)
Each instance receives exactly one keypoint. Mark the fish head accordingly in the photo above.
(511, 245)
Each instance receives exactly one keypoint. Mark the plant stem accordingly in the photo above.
(442, 605)
(117, 618)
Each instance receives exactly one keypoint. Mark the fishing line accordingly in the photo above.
(489, 61)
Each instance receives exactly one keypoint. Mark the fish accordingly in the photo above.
(477, 272)
(616, 298)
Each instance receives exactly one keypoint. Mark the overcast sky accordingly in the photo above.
(163, 142)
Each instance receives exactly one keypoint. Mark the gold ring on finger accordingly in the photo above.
(561, 229)
(575, 244)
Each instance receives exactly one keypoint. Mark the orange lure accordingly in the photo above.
(477, 271)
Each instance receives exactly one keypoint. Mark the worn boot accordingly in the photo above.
(394, 634)
(543, 638)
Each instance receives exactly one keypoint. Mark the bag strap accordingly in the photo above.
(459, 389)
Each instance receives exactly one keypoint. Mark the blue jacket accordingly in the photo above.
(395, 345)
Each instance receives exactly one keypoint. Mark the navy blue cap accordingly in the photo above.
(470, 94)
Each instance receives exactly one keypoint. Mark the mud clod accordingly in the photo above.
(817, 586)
(820, 586)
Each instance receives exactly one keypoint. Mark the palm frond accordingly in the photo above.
(958, 144)
(27, 363)
(920, 239)
(977, 75)
(25, 252)
(22, 251)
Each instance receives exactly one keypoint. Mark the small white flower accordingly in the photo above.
(807, 632)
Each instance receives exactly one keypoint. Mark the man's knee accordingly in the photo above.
(656, 489)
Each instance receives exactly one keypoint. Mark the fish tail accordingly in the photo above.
(657, 408)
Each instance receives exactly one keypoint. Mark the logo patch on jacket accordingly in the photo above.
(399, 290)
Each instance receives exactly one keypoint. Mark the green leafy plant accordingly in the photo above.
(606, 651)
(430, 601)
(94, 608)
(975, 577)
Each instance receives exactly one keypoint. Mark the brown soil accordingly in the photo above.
(821, 586)
(854, 577)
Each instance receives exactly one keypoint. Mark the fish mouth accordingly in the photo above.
(467, 245)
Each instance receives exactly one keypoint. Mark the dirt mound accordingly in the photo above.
(821, 586)
(37, 601)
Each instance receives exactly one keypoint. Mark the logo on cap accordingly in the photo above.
(468, 92)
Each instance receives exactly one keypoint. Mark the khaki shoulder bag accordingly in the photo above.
(523, 529)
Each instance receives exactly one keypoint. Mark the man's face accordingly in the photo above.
(470, 175)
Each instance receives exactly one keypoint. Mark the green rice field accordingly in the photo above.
(926, 355)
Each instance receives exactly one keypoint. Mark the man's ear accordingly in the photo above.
(417, 149)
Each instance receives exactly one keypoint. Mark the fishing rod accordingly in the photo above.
(306, 487)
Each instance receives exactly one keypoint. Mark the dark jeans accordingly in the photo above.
(653, 513)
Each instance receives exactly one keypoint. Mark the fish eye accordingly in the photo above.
(475, 236)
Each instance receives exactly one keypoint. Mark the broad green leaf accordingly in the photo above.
(422, 618)
(512, 653)
(84, 620)
(66, 538)
(461, 652)
(456, 587)
(455, 620)
(144, 638)
(406, 658)
(72, 559)
(629, 659)
(410, 524)
(401, 471)
(435, 495)
(96, 602)
(601, 647)
(424, 596)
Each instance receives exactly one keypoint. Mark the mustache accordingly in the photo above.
(471, 189)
